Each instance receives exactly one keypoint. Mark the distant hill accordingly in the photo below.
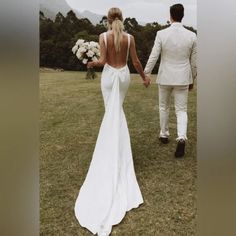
(93, 17)
(51, 7)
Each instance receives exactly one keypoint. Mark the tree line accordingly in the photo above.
(57, 37)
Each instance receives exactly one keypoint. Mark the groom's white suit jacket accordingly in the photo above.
(178, 49)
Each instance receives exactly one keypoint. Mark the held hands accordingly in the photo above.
(146, 81)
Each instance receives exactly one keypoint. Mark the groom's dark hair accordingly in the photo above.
(177, 12)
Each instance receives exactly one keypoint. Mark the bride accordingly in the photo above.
(110, 188)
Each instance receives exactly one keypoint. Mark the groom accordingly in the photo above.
(177, 72)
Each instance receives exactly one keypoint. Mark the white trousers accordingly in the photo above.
(180, 94)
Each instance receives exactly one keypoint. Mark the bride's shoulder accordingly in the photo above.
(102, 34)
(129, 35)
(132, 38)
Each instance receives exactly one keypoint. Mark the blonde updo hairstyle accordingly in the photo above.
(115, 23)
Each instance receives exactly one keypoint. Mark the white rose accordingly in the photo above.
(86, 45)
(79, 55)
(79, 42)
(82, 49)
(93, 44)
(85, 61)
(94, 59)
(90, 53)
(74, 49)
(95, 50)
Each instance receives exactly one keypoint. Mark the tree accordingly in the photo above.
(130, 24)
(41, 16)
(71, 17)
(103, 21)
(59, 36)
(59, 18)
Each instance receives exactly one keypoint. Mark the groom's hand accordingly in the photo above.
(146, 81)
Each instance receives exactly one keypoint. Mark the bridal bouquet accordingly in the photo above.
(85, 52)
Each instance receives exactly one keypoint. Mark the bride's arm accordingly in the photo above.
(135, 60)
(103, 53)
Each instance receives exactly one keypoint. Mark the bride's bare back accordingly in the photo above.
(118, 59)
(113, 58)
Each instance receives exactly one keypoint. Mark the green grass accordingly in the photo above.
(71, 114)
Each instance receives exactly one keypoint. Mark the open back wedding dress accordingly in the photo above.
(110, 188)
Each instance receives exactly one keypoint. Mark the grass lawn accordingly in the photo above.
(70, 117)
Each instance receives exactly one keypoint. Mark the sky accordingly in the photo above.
(142, 10)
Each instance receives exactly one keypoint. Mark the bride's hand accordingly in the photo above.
(90, 64)
(146, 81)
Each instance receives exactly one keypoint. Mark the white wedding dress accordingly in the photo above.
(110, 188)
